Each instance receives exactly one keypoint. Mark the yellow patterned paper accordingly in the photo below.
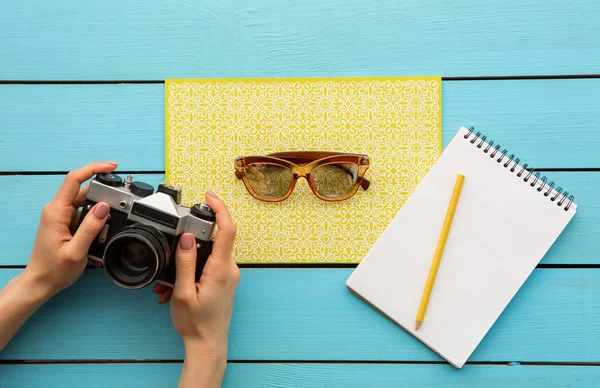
(394, 120)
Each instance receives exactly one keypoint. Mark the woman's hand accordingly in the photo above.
(59, 256)
(201, 312)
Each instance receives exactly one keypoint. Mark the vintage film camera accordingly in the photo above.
(137, 246)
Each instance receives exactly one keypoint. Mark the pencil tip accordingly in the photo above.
(417, 325)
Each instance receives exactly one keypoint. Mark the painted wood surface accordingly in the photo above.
(306, 314)
(303, 375)
(116, 39)
(291, 314)
(547, 123)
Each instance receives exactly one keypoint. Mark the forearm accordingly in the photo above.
(18, 301)
(202, 369)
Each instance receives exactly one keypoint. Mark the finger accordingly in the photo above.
(225, 236)
(74, 220)
(160, 288)
(96, 264)
(91, 225)
(166, 296)
(185, 264)
(79, 200)
(70, 188)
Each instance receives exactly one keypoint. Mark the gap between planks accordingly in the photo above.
(322, 362)
(457, 78)
(336, 266)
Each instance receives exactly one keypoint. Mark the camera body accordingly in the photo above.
(138, 243)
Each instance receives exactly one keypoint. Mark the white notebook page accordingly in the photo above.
(501, 230)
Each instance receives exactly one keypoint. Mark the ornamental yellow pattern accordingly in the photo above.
(394, 120)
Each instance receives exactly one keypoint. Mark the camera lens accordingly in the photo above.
(135, 256)
(135, 259)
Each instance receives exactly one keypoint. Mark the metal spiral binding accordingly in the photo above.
(543, 181)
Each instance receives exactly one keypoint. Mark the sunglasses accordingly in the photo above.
(332, 176)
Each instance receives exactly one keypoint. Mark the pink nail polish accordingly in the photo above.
(101, 210)
(212, 194)
(111, 162)
(186, 242)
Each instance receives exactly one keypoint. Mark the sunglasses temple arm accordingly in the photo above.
(365, 183)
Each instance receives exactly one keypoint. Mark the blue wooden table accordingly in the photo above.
(82, 81)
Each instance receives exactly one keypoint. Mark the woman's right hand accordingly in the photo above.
(201, 312)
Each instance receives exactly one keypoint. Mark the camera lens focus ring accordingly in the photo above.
(135, 256)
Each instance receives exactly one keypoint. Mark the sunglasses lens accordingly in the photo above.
(269, 180)
(334, 180)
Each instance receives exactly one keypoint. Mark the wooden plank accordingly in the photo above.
(123, 40)
(24, 197)
(548, 123)
(304, 375)
(306, 314)
(99, 122)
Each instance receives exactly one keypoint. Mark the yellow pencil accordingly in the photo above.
(437, 257)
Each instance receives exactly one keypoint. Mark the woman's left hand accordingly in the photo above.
(60, 256)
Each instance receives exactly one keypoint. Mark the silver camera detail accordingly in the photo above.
(138, 243)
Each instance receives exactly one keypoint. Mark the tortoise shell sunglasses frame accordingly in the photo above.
(301, 163)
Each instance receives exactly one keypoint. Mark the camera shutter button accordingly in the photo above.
(203, 211)
(141, 189)
(110, 179)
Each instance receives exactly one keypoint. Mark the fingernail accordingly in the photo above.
(162, 299)
(101, 210)
(212, 194)
(186, 242)
(112, 162)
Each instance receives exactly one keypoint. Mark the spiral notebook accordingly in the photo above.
(506, 220)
